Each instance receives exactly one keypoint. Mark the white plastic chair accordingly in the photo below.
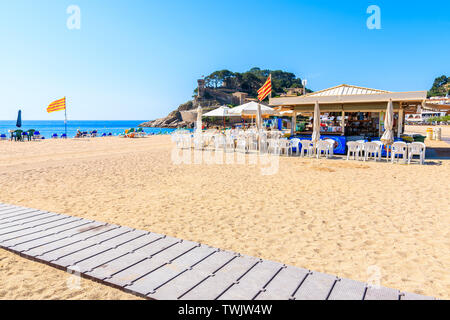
(274, 146)
(416, 149)
(371, 150)
(187, 141)
(229, 143)
(285, 146)
(241, 145)
(361, 144)
(198, 142)
(209, 141)
(307, 148)
(219, 142)
(179, 141)
(380, 146)
(399, 148)
(353, 149)
(263, 145)
(295, 143)
(331, 147)
(323, 146)
(252, 141)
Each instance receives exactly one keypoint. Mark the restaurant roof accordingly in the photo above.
(351, 98)
(345, 89)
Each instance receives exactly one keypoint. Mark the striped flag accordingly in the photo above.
(265, 89)
(57, 105)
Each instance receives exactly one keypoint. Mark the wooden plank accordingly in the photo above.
(72, 259)
(111, 268)
(100, 259)
(284, 284)
(28, 232)
(64, 229)
(173, 269)
(187, 280)
(128, 276)
(17, 213)
(381, 293)
(7, 209)
(6, 221)
(78, 237)
(317, 286)
(24, 220)
(141, 245)
(37, 225)
(253, 282)
(77, 246)
(414, 296)
(215, 284)
(345, 289)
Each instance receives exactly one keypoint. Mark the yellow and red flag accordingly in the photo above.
(57, 105)
(265, 89)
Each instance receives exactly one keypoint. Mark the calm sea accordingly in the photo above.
(48, 128)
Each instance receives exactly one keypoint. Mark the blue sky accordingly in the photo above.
(141, 59)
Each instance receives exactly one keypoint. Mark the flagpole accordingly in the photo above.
(65, 116)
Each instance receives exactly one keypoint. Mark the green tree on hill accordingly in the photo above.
(250, 81)
(441, 87)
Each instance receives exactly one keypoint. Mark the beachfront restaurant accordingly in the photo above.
(348, 113)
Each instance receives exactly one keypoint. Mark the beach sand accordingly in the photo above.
(346, 218)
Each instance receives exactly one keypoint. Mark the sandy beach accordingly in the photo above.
(334, 216)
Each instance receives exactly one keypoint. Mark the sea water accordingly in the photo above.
(48, 128)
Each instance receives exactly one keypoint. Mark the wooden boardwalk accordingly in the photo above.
(156, 266)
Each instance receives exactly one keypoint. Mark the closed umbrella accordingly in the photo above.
(19, 119)
(199, 120)
(388, 136)
(316, 124)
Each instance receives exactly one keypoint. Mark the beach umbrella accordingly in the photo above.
(316, 124)
(199, 120)
(220, 112)
(19, 119)
(388, 136)
(251, 108)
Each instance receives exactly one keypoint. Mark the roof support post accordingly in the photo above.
(400, 121)
(293, 122)
(343, 122)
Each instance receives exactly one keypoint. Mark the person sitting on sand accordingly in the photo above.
(79, 134)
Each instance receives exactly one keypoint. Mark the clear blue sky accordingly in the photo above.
(141, 59)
